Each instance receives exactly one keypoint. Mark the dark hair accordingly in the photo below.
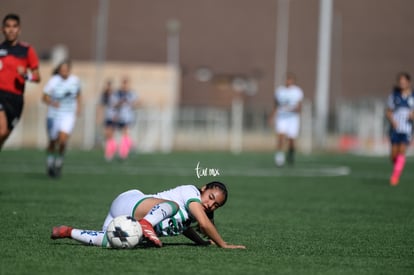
(57, 68)
(11, 16)
(219, 185)
(399, 76)
(290, 75)
(223, 188)
(405, 75)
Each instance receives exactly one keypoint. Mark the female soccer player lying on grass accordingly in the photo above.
(168, 213)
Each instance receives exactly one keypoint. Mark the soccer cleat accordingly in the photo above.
(394, 181)
(58, 167)
(57, 171)
(149, 232)
(51, 171)
(59, 232)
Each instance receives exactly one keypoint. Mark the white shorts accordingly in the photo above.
(124, 204)
(61, 123)
(288, 126)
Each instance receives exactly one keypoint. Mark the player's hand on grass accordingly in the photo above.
(234, 246)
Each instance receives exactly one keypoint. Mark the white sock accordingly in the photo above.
(59, 161)
(50, 160)
(280, 158)
(90, 237)
(161, 211)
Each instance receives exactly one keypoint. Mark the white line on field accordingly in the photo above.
(322, 171)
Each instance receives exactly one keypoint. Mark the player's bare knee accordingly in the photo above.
(4, 132)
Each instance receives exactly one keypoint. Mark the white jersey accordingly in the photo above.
(183, 196)
(63, 91)
(127, 202)
(124, 100)
(287, 99)
(109, 102)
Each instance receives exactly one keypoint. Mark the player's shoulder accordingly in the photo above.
(74, 78)
(279, 90)
(25, 45)
(296, 88)
(189, 190)
(55, 78)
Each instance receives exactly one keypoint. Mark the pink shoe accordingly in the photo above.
(394, 181)
(110, 149)
(125, 147)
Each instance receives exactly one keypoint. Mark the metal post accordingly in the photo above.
(323, 71)
(101, 31)
(173, 60)
(282, 41)
(237, 123)
(100, 57)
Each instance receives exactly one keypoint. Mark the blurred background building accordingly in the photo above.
(225, 58)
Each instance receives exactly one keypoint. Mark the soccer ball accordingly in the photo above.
(124, 232)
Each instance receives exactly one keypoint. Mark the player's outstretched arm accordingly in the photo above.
(208, 227)
(192, 235)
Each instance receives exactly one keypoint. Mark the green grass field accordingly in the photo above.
(330, 214)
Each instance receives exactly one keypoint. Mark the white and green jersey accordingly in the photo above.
(64, 91)
(183, 196)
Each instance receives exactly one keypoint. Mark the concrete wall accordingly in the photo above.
(371, 42)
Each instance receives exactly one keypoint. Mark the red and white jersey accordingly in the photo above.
(12, 57)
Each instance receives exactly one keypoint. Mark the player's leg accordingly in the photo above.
(66, 124)
(61, 149)
(147, 210)
(290, 158)
(151, 212)
(126, 143)
(88, 237)
(123, 204)
(280, 129)
(292, 133)
(110, 143)
(4, 129)
(52, 134)
(280, 157)
(394, 152)
(399, 163)
(11, 108)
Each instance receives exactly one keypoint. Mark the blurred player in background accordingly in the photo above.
(168, 213)
(286, 119)
(62, 96)
(400, 114)
(120, 115)
(18, 63)
(107, 103)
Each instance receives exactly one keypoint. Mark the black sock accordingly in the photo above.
(290, 158)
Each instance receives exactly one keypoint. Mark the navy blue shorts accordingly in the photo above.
(115, 124)
(399, 138)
